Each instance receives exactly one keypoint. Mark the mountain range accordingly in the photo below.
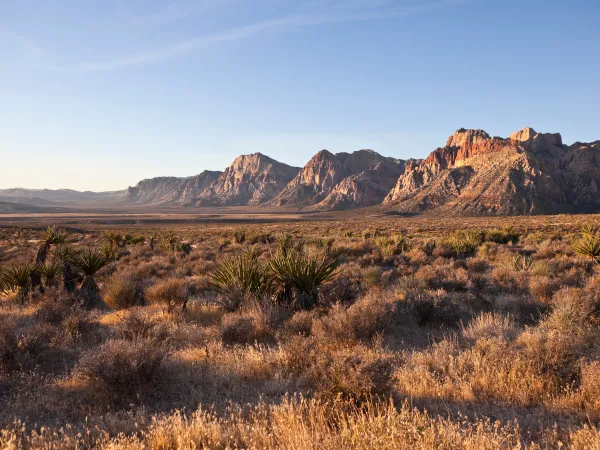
(473, 174)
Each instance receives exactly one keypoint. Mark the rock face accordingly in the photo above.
(475, 174)
(249, 180)
(171, 190)
(341, 181)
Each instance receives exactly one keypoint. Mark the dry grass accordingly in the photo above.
(463, 333)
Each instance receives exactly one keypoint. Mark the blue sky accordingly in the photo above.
(98, 95)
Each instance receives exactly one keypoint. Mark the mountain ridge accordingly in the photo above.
(472, 174)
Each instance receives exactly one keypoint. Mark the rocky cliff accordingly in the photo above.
(250, 180)
(171, 190)
(526, 173)
(341, 181)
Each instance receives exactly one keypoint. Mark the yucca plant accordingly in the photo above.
(240, 279)
(63, 255)
(513, 235)
(89, 262)
(50, 272)
(169, 242)
(299, 278)
(152, 240)
(589, 228)
(109, 251)
(465, 242)
(239, 237)
(517, 263)
(497, 236)
(429, 246)
(588, 246)
(284, 244)
(54, 236)
(16, 278)
(114, 239)
(387, 247)
(402, 242)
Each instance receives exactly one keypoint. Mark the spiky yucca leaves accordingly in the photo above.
(299, 278)
(3, 280)
(109, 251)
(16, 278)
(517, 263)
(89, 262)
(465, 242)
(513, 234)
(589, 246)
(54, 236)
(239, 237)
(51, 272)
(387, 246)
(284, 244)
(114, 239)
(63, 255)
(589, 228)
(240, 279)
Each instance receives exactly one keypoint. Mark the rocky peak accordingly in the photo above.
(529, 136)
(463, 137)
(250, 179)
(523, 135)
(320, 176)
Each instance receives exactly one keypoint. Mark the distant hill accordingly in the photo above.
(10, 207)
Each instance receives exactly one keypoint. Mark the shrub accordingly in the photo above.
(124, 370)
(368, 317)
(253, 324)
(497, 236)
(140, 325)
(121, 292)
(171, 293)
(21, 348)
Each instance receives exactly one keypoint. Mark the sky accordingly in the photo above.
(99, 95)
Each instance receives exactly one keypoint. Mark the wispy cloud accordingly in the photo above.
(322, 12)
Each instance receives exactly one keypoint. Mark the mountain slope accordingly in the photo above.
(475, 174)
(250, 180)
(171, 190)
(341, 181)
